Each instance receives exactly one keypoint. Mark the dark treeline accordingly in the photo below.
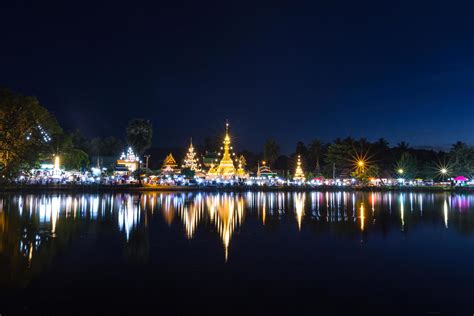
(29, 134)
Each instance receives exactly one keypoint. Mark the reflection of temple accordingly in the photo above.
(299, 207)
(226, 169)
(226, 212)
(33, 227)
(191, 214)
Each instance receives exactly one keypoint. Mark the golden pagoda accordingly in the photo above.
(169, 165)
(226, 168)
(299, 174)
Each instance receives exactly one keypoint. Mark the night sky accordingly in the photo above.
(403, 70)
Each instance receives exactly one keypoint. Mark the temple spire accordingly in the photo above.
(299, 174)
(190, 160)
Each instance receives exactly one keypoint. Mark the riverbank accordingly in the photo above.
(137, 188)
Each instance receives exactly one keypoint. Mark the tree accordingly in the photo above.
(188, 173)
(301, 149)
(25, 131)
(139, 134)
(71, 157)
(403, 146)
(271, 151)
(105, 146)
(406, 166)
(339, 154)
(363, 175)
(461, 159)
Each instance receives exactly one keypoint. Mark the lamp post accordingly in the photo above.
(146, 164)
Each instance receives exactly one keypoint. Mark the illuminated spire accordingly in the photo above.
(190, 161)
(226, 166)
(299, 174)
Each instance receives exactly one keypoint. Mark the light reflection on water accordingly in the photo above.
(27, 222)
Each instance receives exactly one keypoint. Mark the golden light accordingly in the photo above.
(361, 161)
(263, 162)
(362, 217)
(400, 171)
(444, 170)
(56, 163)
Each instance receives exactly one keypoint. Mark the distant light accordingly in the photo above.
(400, 171)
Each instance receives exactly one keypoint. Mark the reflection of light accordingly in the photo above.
(168, 209)
(226, 212)
(402, 211)
(191, 216)
(55, 204)
(128, 216)
(445, 210)
(299, 207)
(373, 202)
(362, 216)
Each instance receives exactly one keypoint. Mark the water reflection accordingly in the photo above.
(33, 227)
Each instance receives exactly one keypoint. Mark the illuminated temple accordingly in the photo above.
(226, 169)
(299, 174)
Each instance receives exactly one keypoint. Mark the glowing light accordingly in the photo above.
(445, 211)
(56, 163)
(400, 171)
(299, 174)
(362, 217)
(191, 161)
(299, 206)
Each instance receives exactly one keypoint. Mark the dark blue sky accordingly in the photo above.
(403, 70)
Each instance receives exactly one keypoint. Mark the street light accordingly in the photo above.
(400, 171)
(444, 171)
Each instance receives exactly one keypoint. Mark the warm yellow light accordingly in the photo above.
(360, 163)
(444, 170)
(263, 162)
(400, 171)
(56, 163)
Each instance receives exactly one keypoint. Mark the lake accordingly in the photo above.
(309, 252)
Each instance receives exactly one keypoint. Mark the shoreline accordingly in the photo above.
(136, 188)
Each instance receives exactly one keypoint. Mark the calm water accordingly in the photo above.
(222, 252)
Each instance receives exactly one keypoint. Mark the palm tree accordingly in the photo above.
(271, 150)
(403, 146)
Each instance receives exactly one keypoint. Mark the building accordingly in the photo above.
(127, 163)
(225, 169)
(169, 165)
